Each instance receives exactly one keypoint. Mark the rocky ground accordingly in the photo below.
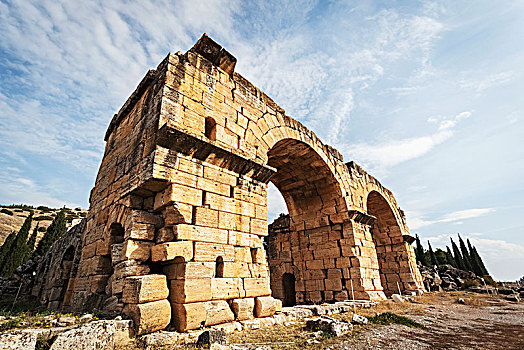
(448, 320)
(482, 322)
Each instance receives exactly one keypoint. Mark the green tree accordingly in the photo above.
(31, 243)
(16, 254)
(456, 255)
(450, 258)
(419, 252)
(442, 258)
(5, 249)
(465, 255)
(54, 231)
(432, 256)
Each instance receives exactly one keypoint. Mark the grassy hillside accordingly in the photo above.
(12, 217)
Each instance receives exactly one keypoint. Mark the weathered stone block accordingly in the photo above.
(190, 290)
(136, 250)
(149, 317)
(189, 270)
(243, 308)
(171, 250)
(142, 289)
(265, 306)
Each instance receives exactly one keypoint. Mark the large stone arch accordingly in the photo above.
(185, 172)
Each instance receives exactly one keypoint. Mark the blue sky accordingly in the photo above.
(426, 95)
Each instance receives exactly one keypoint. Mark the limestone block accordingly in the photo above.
(178, 213)
(278, 305)
(243, 308)
(189, 270)
(171, 250)
(218, 312)
(165, 234)
(136, 250)
(255, 287)
(142, 289)
(190, 290)
(258, 227)
(130, 268)
(188, 316)
(199, 233)
(195, 315)
(149, 317)
(182, 194)
(333, 284)
(236, 269)
(265, 306)
(139, 230)
(226, 288)
(211, 251)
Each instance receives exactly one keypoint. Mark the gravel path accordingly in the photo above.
(450, 326)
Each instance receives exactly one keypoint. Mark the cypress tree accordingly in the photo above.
(5, 249)
(432, 256)
(54, 231)
(475, 264)
(16, 254)
(442, 258)
(31, 244)
(481, 263)
(457, 256)
(465, 255)
(449, 256)
(419, 252)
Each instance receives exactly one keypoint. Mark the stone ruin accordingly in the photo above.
(175, 233)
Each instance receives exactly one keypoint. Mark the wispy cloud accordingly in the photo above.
(415, 221)
(479, 85)
(379, 157)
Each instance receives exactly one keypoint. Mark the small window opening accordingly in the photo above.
(254, 252)
(219, 272)
(117, 233)
(211, 129)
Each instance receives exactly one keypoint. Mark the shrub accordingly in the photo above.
(43, 218)
(387, 318)
(489, 280)
(470, 283)
(6, 211)
(42, 229)
(44, 209)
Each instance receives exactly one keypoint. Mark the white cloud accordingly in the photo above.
(380, 156)
(416, 221)
(479, 85)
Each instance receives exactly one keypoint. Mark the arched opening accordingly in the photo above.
(219, 268)
(389, 244)
(288, 285)
(305, 244)
(211, 129)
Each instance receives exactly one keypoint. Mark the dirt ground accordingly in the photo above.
(482, 322)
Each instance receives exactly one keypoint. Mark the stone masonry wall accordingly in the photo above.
(178, 213)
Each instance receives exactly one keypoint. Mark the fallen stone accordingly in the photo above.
(513, 297)
(212, 336)
(397, 298)
(17, 340)
(100, 335)
(461, 301)
(359, 319)
(328, 324)
(86, 318)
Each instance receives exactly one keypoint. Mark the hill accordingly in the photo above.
(12, 217)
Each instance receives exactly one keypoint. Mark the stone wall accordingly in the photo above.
(178, 213)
